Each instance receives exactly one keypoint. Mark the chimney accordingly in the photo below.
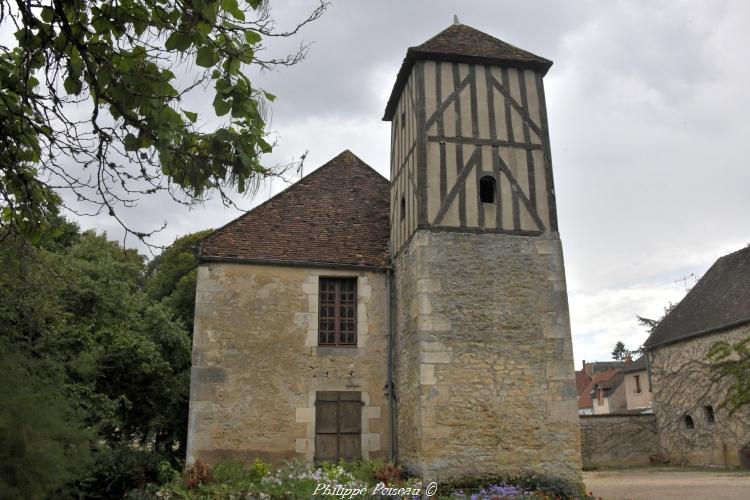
(628, 359)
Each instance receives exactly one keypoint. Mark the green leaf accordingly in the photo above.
(233, 8)
(47, 14)
(224, 86)
(72, 85)
(269, 96)
(252, 37)
(221, 106)
(190, 115)
(131, 142)
(178, 41)
(206, 57)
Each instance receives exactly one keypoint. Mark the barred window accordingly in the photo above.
(337, 311)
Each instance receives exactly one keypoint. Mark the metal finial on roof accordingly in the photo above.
(455, 19)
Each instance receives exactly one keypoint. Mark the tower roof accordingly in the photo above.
(336, 215)
(461, 43)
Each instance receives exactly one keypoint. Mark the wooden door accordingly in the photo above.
(338, 426)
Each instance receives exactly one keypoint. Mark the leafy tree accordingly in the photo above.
(172, 277)
(732, 363)
(44, 444)
(93, 352)
(619, 353)
(90, 103)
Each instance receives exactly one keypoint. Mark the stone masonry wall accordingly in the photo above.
(618, 440)
(257, 365)
(684, 384)
(491, 390)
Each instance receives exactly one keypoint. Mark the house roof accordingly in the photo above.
(582, 381)
(603, 366)
(337, 215)
(720, 300)
(638, 365)
(584, 399)
(461, 43)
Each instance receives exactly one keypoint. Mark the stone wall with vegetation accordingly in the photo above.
(685, 384)
(618, 440)
(257, 365)
(491, 390)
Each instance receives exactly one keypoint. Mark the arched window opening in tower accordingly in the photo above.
(689, 424)
(487, 188)
(403, 208)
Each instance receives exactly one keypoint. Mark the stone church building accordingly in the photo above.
(422, 318)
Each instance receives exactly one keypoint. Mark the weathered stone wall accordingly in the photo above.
(683, 383)
(257, 365)
(618, 440)
(491, 390)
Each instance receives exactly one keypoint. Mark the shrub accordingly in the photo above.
(198, 474)
(389, 474)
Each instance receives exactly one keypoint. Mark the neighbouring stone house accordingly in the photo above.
(424, 318)
(637, 384)
(694, 426)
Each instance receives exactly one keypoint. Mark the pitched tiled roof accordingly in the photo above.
(338, 214)
(720, 299)
(582, 381)
(584, 400)
(461, 43)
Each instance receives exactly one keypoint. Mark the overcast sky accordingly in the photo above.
(648, 111)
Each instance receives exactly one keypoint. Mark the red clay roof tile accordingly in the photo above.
(338, 214)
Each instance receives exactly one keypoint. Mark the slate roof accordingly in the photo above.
(461, 43)
(638, 365)
(720, 300)
(603, 366)
(337, 215)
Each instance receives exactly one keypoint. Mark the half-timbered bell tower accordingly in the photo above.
(483, 363)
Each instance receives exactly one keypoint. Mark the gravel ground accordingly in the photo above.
(668, 484)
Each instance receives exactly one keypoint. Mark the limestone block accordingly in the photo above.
(423, 304)
(427, 374)
(371, 411)
(563, 411)
(311, 338)
(304, 445)
(433, 323)
(426, 285)
(304, 415)
(372, 441)
(436, 357)
(546, 247)
(555, 331)
(301, 320)
(559, 370)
